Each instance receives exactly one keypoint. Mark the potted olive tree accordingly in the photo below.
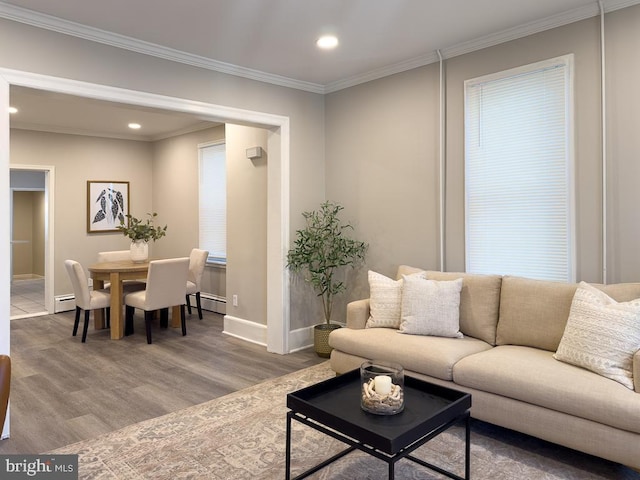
(320, 250)
(140, 233)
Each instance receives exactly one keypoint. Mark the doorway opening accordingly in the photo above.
(30, 224)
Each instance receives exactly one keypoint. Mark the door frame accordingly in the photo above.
(49, 228)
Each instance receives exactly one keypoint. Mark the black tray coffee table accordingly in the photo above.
(333, 408)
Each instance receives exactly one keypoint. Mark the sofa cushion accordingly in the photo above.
(533, 313)
(408, 270)
(385, 299)
(601, 335)
(620, 292)
(636, 371)
(430, 307)
(532, 375)
(479, 303)
(433, 356)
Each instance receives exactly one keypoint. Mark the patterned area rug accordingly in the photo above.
(242, 436)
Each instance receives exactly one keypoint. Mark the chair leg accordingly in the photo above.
(183, 321)
(164, 317)
(188, 298)
(77, 321)
(86, 325)
(199, 305)
(128, 322)
(148, 316)
(108, 315)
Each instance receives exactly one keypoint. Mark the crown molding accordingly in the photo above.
(40, 20)
(66, 27)
(507, 35)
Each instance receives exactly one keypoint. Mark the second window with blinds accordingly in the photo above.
(519, 209)
(213, 201)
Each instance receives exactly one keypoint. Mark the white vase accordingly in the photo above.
(139, 251)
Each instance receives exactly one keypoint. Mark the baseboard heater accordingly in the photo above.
(213, 303)
(64, 303)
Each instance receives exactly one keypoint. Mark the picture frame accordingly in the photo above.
(107, 205)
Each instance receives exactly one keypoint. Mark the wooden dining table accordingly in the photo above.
(117, 273)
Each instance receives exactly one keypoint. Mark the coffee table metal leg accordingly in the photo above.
(288, 454)
(467, 447)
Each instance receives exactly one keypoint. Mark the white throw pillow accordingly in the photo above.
(384, 300)
(431, 307)
(601, 334)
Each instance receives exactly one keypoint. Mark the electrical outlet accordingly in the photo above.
(235, 300)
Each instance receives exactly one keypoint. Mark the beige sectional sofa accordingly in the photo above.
(512, 327)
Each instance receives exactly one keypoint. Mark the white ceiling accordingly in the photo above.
(274, 40)
(56, 112)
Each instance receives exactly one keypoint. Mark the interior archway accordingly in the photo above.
(278, 180)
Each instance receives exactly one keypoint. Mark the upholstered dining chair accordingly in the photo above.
(5, 387)
(166, 287)
(114, 256)
(118, 256)
(197, 262)
(86, 299)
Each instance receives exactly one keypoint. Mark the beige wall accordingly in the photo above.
(623, 143)
(247, 224)
(175, 198)
(22, 261)
(382, 151)
(30, 49)
(382, 165)
(39, 219)
(78, 159)
(28, 227)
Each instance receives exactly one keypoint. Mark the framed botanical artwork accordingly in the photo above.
(107, 205)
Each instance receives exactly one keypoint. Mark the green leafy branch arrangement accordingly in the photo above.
(137, 230)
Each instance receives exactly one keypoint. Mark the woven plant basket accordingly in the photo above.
(321, 338)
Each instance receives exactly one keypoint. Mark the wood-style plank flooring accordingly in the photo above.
(64, 391)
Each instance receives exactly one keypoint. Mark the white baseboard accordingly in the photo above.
(245, 330)
(299, 339)
(257, 333)
(302, 338)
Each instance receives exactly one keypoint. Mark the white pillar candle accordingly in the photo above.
(382, 384)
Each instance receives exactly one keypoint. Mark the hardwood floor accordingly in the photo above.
(64, 391)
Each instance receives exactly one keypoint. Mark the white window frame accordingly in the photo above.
(215, 257)
(566, 62)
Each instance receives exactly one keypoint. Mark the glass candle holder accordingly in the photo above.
(382, 387)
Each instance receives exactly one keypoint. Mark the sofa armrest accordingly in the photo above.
(358, 314)
(636, 371)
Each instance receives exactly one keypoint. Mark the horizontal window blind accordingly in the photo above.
(518, 173)
(213, 201)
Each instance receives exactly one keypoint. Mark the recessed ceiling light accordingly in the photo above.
(135, 126)
(327, 42)
(13, 110)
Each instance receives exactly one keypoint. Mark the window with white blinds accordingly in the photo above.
(213, 201)
(519, 172)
